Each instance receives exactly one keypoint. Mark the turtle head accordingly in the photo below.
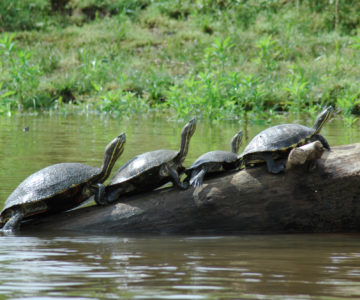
(236, 142)
(189, 129)
(186, 134)
(322, 118)
(112, 152)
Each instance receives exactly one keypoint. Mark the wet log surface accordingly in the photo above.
(318, 196)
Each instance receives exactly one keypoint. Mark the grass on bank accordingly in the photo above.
(214, 59)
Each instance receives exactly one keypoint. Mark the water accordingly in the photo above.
(178, 267)
(48, 266)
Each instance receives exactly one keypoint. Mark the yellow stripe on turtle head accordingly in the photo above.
(322, 118)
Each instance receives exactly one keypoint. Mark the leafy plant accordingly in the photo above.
(348, 104)
(219, 53)
(355, 42)
(23, 74)
(350, 120)
(7, 44)
(267, 51)
(120, 102)
(297, 88)
(215, 93)
(6, 101)
(20, 14)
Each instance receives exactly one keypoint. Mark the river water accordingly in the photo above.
(80, 266)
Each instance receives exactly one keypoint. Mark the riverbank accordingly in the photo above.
(216, 61)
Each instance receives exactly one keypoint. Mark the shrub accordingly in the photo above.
(23, 14)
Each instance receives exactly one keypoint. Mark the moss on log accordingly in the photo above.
(313, 196)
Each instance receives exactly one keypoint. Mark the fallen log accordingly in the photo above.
(322, 198)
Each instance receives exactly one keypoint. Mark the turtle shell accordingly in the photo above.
(278, 138)
(50, 182)
(218, 156)
(141, 164)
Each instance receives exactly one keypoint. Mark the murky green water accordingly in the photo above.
(153, 267)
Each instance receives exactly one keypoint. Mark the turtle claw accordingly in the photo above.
(13, 224)
(276, 169)
(273, 167)
(112, 196)
(196, 182)
(197, 179)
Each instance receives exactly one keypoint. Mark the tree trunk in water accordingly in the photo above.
(321, 195)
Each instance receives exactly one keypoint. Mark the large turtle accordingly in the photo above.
(215, 162)
(59, 187)
(277, 141)
(150, 170)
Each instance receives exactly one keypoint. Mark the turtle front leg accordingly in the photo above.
(98, 190)
(318, 137)
(176, 180)
(170, 171)
(13, 224)
(273, 166)
(113, 196)
(100, 197)
(197, 177)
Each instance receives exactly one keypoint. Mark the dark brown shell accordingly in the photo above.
(141, 164)
(50, 182)
(278, 138)
(217, 156)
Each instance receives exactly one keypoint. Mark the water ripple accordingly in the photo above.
(47, 267)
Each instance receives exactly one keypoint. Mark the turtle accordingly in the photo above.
(277, 141)
(59, 187)
(214, 162)
(150, 170)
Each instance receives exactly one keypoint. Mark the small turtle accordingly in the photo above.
(215, 161)
(277, 141)
(59, 187)
(150, 170)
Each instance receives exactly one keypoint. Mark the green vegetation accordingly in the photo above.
(215, 59)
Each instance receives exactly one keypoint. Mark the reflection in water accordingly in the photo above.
(176, 267)
(169, 267)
